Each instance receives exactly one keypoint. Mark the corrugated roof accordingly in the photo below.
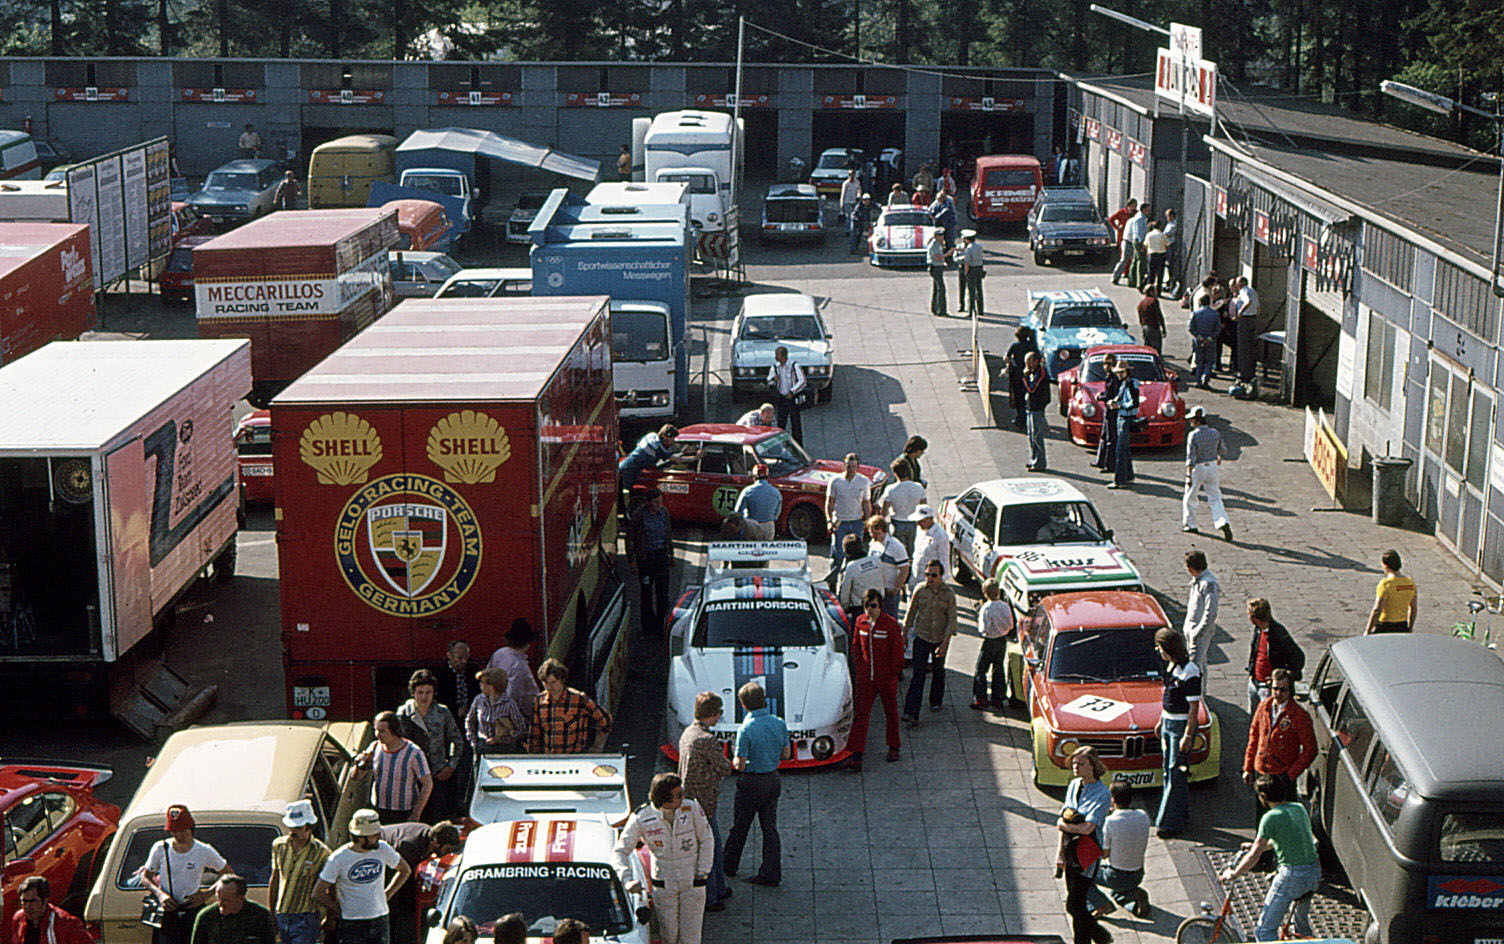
(451, 350)
(78, 395)
(501, 148)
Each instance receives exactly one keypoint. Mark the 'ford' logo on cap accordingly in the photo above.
(366, 871)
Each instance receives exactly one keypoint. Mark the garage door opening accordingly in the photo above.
(761, 144)
(869, 130)
(1316, 349)
(965, 136)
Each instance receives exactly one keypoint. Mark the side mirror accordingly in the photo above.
(431, 918)
(18, 867)
(1107, 534)
(644, 914)
(1033, 663)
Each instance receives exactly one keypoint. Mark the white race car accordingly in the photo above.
(514, 786)
(545, 868)
(900, 235)
(759, 617)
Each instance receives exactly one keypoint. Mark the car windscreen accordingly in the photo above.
(1142, 369)
(1104, 655)
(224, 180)
(1085, 316)
(440, 268)
(1069, 522)
(838, 161)
(254, 441)
(698, 183)
(247, 848)
(781, 454)
(544, 894)
(1473, 837)
(792, 210)
(1069, 213)
(781, 328)
(436, 182)
(638, 336)
(768, 621)
(1009, 177)
(908, 218)
(181, 260)
(470, 288)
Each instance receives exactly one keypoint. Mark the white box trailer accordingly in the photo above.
(43, 201)
(118, 491)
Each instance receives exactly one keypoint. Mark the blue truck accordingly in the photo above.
(642, 261)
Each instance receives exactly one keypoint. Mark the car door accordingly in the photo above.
(351, 781)
(963, 531)
(1326, 690)
(723, 475)
(984, 537)
(1352, 735)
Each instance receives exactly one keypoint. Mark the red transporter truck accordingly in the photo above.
(46, 287)
(297, 284)
(450, 469)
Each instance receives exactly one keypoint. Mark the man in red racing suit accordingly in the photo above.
(877, 659)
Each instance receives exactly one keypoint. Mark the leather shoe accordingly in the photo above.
(764, 882)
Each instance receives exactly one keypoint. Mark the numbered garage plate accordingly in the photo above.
(1097, 708)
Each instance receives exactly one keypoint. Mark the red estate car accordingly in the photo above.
(176, 280)
(253, 450)
(54, 827)
(1158, 393)
(704, 490)
(1093, 680)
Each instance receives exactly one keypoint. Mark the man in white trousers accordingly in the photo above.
(1203, 458)
(681, 850)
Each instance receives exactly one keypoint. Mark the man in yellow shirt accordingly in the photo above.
(297, 859)
(1394, 599)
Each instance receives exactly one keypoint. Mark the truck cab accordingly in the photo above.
(707, 205)
(450, 183)
(642, 359)
(695, 148)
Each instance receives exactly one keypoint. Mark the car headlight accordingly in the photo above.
(660, 398)
(819, 370)
(1052, 242)
(241, 207)
(1099, 240)
(882, 242)
(746, 371)
(712, 217)
(823, 747)
(1199, 742)
(1066, 747)
(1167, 409)
(1088, 409)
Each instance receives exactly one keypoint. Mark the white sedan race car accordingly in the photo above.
(899, 236)
(758, 617)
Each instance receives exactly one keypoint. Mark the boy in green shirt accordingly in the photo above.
(1285, 827)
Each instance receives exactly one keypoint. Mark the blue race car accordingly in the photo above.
(1067, 323)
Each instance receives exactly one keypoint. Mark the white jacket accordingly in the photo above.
(679, 842)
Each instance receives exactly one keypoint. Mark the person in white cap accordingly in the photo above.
(352, 884)
(1203, 457)
(931, 543)
(297, 859)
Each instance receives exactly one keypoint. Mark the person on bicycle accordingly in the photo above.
(1286, 828)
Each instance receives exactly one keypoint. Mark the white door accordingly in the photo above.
(1459, 421)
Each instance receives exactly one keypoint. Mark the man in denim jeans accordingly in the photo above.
(1124, 838)
(848, 503)
(1285, 828)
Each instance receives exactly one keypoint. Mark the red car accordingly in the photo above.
(53, 827)
(1158, 394)
(186, 222)
(253, 448)
(704, 489)
(176, 281)
(1004, 187)
(1093, 679)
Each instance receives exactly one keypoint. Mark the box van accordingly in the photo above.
(237, 780)
(422, 225)
(18, 157)
(1408, 784)
(1004, 187)
(40, 200)
(340, 172)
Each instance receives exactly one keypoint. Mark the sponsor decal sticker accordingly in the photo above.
(1097, 708)
(341, 448)
(469, 447)
(546, 871)
(1465, 893)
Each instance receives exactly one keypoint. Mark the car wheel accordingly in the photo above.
(804, 522)
(1040, 259)
(958, 566)
(828, 394)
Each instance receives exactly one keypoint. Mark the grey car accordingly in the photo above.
(1064, 223)
(419, 274)
(238, 191)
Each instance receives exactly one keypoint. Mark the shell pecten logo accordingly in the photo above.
(341, 448)
(469, 446)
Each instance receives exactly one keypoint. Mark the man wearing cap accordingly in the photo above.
(232, 919)
(931, 543)
(765, 415)
(936, 256)
(174, 871)
(1203, 457)
(862, 219)
(760, 504)
(352, 884)
(511, 658)
(972, 271)
(297, 859)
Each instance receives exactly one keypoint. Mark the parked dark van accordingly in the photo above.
(1409, 783)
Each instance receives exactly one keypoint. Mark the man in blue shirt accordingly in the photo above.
(760, 504)
(762, 743)
(1206, 324)
(650, 450)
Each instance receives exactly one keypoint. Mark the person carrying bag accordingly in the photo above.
(174, 872)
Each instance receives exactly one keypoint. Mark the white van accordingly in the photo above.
(642, 359)
(18, 157)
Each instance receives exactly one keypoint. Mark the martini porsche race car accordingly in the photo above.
(759, 617)
(900, 235)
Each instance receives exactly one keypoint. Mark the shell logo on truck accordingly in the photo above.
(408, 545)
(469, 446)
(341, 448)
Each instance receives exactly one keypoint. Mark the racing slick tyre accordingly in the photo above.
(804, 522)
(958, 566)
(1201, 929)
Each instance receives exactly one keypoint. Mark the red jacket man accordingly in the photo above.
(1120, 219)
(1283, 745)
(47, 922)
(877, 643)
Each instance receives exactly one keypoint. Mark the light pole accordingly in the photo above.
(1442, 105)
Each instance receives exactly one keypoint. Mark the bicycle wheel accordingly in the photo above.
(1202, 929)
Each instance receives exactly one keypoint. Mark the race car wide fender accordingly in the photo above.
(1210, 768)
(1013, 664)
(1046, 774)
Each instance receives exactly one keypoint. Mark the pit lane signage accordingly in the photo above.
(985, 103)
(858, 102)
(1093, 129)
(602, 100)
(1189, 82)
(728, 100)
(1137, 152)
(476, 98)
(92, 93)
(227, 96)
(346, 96)
(1114, 140)
(1261, 226)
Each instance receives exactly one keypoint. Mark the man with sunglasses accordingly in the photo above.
(877, 643)
(1281, 739)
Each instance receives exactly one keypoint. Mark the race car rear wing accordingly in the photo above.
(519, 786)
(721, 558)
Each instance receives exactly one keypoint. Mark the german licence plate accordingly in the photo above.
(310, 696)
(1075, 252)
